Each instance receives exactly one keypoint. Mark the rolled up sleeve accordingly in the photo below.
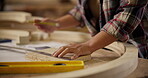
(75, 12)
(127, 20)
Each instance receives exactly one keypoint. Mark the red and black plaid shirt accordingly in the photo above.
(121, 18)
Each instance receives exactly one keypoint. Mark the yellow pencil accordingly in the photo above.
(46, 23)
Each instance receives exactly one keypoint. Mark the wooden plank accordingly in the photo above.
(19, 36)
(14, 16)
(18, 26)
(17, 20)
(17, 16)
(39, 36)
(69, 36)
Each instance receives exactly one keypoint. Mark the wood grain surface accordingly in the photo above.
(118, 63)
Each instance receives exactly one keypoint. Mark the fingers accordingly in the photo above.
(61, 49)
(75, 56)
(37, 20)
(41, 22)
(44, 20)
(37, 23)
(76, 49)
(41, 27)
(67, 50)
(64, 50)
(44, 27)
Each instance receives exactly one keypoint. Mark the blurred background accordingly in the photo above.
(44, 8)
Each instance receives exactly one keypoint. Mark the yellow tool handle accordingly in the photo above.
(46, 23)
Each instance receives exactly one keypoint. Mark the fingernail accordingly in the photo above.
(54, 55)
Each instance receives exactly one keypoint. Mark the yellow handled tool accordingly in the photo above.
(40, 67)
(46, 23)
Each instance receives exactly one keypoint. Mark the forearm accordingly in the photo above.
(67, 21)
(100, 40)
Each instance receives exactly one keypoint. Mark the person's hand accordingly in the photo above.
(77, 49)
(45, 27)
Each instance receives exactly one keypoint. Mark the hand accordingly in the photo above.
(45, 27)
(77, 49)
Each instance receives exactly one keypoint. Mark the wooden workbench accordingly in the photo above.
(105, 64)
(141, 70)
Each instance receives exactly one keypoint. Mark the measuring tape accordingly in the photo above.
(40, 67)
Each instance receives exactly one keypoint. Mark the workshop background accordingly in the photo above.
(44, 8)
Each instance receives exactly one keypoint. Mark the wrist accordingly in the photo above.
(90, 47)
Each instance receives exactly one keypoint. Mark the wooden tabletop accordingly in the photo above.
(142, 69)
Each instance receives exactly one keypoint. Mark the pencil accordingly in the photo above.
(46, 23)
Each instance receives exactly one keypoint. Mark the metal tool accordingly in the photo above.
(39, 52)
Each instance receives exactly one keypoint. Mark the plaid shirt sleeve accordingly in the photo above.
(75, 12)
(126, 21)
